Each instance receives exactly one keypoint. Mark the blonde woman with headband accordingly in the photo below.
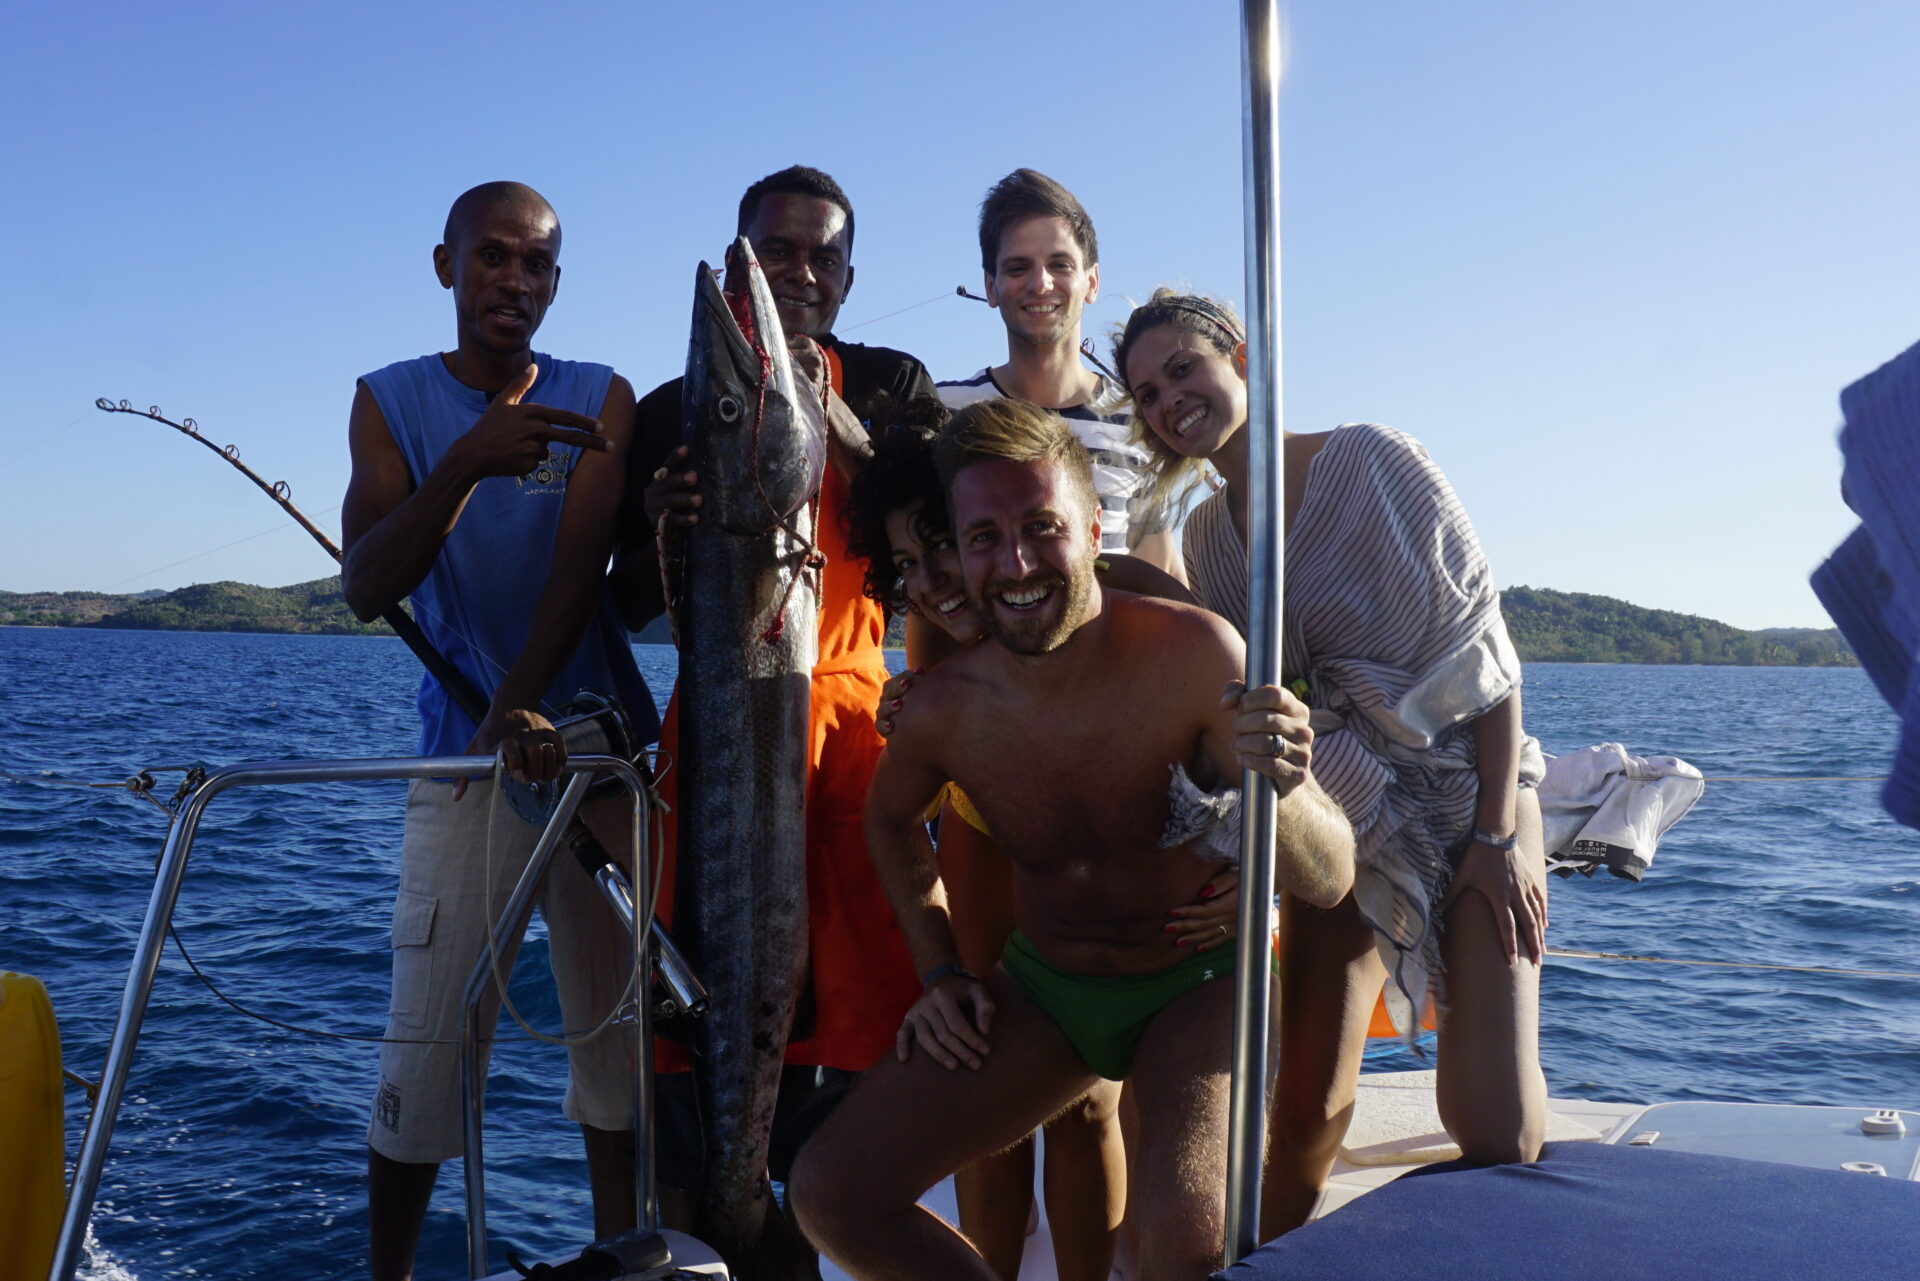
(1392, 621)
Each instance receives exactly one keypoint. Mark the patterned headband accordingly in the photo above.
(1211, 312)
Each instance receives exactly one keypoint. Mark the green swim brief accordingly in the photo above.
(1104, 1015)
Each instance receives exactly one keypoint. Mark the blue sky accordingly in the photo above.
(1612, 263)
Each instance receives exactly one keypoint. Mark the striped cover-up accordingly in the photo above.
(1391, 615)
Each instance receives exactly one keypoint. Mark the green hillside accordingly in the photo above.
(1573, 627)
(205, 607)
(1547, 626)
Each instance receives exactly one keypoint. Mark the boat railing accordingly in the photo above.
(619, 890)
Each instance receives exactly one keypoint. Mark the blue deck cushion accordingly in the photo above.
(1594, 1212)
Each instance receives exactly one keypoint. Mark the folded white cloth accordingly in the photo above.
(1603, 808)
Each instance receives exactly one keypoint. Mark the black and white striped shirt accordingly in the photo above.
(1104, 424)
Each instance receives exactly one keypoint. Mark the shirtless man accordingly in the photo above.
(1066, 735)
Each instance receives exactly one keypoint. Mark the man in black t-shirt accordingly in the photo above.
(861, 978)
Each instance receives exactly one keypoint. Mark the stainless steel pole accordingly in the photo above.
(646, 1197)
(87, 1168)
(1252, 1010)
(507, 930)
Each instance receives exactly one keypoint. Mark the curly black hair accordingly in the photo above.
(900, 474)
(794, 180)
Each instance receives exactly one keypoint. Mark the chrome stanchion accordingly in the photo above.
(506, 932)
(70, 1248)
(1252, 1008)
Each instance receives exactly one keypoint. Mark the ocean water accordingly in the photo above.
(240, 1151)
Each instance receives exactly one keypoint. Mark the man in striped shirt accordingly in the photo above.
(1041, 259)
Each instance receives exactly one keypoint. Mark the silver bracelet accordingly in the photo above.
(1488, 839)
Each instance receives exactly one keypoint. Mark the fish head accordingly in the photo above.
(756, 432)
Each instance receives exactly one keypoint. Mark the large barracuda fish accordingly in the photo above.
(757, 439)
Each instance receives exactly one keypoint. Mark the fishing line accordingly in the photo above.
(1087, 347)
(962, 291)
(1788, 778)
(1584, 955)
(211, 550)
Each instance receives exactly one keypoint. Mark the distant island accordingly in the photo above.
(1547, 626)
(1573, 627)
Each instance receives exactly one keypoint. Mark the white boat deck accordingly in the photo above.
(1381, 1118)
(1396, 1129)
(1395, 1119)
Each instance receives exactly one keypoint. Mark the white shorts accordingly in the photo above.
(440, 924)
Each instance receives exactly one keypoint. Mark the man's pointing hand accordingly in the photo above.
(511, 438)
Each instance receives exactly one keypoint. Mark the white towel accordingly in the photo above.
(1602, 807)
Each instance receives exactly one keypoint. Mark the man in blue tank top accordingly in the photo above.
(486, 482)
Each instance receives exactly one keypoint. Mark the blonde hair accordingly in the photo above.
(1171, 478)
(1015, 431)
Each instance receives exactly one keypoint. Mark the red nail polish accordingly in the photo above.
(1166, 929)
(1207, 891)
(1181, 943)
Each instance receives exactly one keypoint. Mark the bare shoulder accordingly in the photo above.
(366, 425)
(619, 398)
(1170, 626)
(380, 479)
(378, 466)
(930, 709)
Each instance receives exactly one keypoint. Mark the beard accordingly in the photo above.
(1048, 629)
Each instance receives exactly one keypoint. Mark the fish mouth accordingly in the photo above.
(759, 447)
(742, 329)
(726, 346)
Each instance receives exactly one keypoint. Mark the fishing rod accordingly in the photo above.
(462, 691)
(684, 992)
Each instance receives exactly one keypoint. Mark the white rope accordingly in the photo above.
(493, 952)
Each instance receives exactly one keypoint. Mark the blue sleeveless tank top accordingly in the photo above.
(476, 603)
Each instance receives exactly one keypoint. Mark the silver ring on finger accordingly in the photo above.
(1276, 746)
